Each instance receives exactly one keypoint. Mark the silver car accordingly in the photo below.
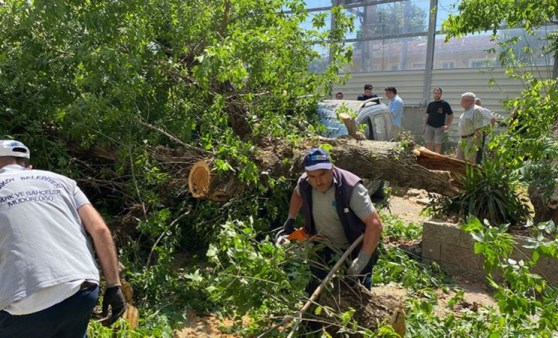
(373, 115)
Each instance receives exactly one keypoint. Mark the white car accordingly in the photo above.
(376, 118)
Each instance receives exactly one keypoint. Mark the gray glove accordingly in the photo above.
(358, 264)
(114, 298)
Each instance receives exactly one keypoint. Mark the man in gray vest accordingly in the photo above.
(336, 207)
(49, 281)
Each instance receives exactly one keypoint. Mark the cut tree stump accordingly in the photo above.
(199, 179)
(382, 305)
(203, 183)
(352, 127)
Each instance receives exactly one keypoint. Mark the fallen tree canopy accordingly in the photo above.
(411, 166)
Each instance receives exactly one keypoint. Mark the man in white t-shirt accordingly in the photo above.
(49, 281)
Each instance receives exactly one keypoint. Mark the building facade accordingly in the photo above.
(399, 43)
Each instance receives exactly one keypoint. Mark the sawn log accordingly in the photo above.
(401, 165)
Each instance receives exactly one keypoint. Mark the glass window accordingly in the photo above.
(389, 19)
(448, 65)
(479, 50)
(388, 55)
(531, 49)
(391, 35)
(469, 51)
(319, 64)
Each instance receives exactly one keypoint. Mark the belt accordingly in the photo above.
(87, 285)
(467, 136)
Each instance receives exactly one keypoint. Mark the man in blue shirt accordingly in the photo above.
(396, 107)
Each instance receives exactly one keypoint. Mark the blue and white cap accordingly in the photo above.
(14, 149)
(316, 159)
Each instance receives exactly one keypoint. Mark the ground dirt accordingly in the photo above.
(405, 204)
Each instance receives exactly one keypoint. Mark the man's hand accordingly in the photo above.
(283, 234)
(114, 298)
(289, 226)
(358, 264)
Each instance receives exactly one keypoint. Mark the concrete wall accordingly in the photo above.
(413, 120)
(452, 249)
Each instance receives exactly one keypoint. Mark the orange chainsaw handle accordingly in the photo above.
(298, 235)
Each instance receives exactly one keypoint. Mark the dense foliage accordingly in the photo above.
(93, 88)
(217, 75)
(491, 15)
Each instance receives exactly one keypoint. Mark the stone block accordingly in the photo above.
(460, 258)
(431, 249)
(440, 232)
(453, 249)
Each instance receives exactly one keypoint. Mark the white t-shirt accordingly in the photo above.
(45, 251)
(44, 298)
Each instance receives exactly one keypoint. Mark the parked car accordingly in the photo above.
(374, 115)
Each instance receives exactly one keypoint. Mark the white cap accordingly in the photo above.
(14, 149)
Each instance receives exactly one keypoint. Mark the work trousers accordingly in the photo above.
(68, 319)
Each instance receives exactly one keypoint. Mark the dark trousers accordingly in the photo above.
(67, 319)
(481, 148)
(324, 258)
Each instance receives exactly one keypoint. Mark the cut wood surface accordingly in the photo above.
(411, 166)
(352, 127)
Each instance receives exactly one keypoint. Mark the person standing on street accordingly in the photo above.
(437, 121)
(337, 208)
(49, 281)
(396, 107)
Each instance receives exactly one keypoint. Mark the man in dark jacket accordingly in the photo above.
(368, 93)
(336, 207)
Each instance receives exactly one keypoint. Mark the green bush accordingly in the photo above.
(491, 192)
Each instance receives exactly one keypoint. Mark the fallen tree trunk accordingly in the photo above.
(414, 167)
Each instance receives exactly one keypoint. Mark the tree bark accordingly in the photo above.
(410, 166)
